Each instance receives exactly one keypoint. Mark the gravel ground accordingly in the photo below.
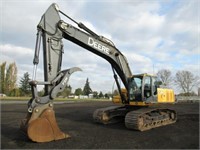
(76, 120)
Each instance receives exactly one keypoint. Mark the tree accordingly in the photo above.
(15, 92)
(2, 77)
(11, 78)
(165, 76)
(66, 92)
(25, 87)
(95, 94)
(87, 90)
(186, 81)
(8, 78)
(100, 94)
(78, 92)
(108, 95)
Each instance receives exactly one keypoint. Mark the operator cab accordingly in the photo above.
(143, 87)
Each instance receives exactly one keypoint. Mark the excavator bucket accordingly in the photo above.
(41, 126)
(40, 123)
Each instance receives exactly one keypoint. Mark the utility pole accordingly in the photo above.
(153, 69)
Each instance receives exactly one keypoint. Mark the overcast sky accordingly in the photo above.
(152, 34)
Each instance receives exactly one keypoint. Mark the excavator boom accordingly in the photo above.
(54, 30)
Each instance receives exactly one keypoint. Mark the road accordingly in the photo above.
(76, 120)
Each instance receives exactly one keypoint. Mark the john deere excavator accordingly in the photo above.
(137, 99)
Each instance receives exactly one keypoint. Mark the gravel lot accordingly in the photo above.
(76, 120)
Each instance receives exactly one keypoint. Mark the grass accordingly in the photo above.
(56, 99)
(15, 98)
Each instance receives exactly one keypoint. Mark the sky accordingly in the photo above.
(152, 34)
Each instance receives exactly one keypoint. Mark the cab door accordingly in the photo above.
(149, 88)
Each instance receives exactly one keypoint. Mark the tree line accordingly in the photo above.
(8, 79)
(86, 90)
(183, 80)
(9, 87)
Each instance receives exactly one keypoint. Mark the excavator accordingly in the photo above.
(137, 101)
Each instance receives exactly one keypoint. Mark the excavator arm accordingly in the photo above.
(40, 123)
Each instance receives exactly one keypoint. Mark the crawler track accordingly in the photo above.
(138, 119)
(108, 115)
(147, 118)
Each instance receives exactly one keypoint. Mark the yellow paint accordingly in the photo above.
(117, 98)
(139, 104)
(165, 95)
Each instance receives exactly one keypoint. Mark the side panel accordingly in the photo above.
(165, 95)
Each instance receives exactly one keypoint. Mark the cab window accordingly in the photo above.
(154, 86)
(147, 87)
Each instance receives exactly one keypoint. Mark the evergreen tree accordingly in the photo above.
(87, 90)
(106, 95)
(95, 94)
(100, 95)
(24, 85)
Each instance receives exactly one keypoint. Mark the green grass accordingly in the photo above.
(15, 98)
(56, 99)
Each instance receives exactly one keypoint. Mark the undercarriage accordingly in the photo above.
(137, 118)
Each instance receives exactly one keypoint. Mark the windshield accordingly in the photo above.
(135, 87)
(138, 82)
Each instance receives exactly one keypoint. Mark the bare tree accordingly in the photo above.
(186, 81)
(165, 76)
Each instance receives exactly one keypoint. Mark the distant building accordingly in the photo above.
(71, 96)
(83, 97)
(2, 95)
(91, 95)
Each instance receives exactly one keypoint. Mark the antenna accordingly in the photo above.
(153, 69)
